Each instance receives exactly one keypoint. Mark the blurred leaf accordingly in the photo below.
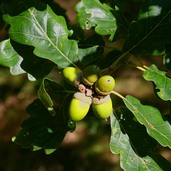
(47, 32)
(167, 60)
(151, 32)
(1, 22)
(41, 129)
(151, 118)
(162, 82)
(98, 15)
(129, 160)
(10, 58)
(167, 57)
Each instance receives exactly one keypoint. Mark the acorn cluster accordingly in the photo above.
(93, 90)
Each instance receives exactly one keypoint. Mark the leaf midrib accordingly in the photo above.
(31, 12)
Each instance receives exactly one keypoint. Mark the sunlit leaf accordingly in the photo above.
(152, 119)
(45, 31)
(10, 58)
(98, 15)
(161, 81)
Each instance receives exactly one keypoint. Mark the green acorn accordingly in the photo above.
(79, 106)
(91, 74)
(104, 85)
(72, 75)
(102, 107)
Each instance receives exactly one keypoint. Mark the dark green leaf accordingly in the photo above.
(122, 25)
(52, 95)
(110, 58)
(15, 7)
(167, 57)
(41, 129)
(37, 67)
(151, 32)
(151, 118)
(98, 15)
(162, 82)
(91, 49)
(45, 31)
(119, 144)
(140, 141)
(45, 98)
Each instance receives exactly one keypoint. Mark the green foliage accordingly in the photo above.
(150, 33)
(125, 133)
(49, 36)
(98, 15)
(162, 82)
(41, 38)
(152, 119)
(10, 58)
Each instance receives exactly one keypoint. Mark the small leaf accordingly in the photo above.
(151, 118)
(49, 151)
(98, 15)
(162, 82)
(119, 144)
(10, 58)
(45, 31)
(45, 98)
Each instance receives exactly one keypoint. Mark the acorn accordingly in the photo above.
(79, 106)
(91, 75)
(104, 85)
(102, 107)
(72, 75)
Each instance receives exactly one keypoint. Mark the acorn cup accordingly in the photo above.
(102, 107)
(104, 85)
(91, 75)
(79, 106)
(72, 75)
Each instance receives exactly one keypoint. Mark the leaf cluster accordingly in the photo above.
(40, 38)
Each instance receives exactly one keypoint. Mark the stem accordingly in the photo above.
(118, 94)
(146, 67)
(140, 68)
